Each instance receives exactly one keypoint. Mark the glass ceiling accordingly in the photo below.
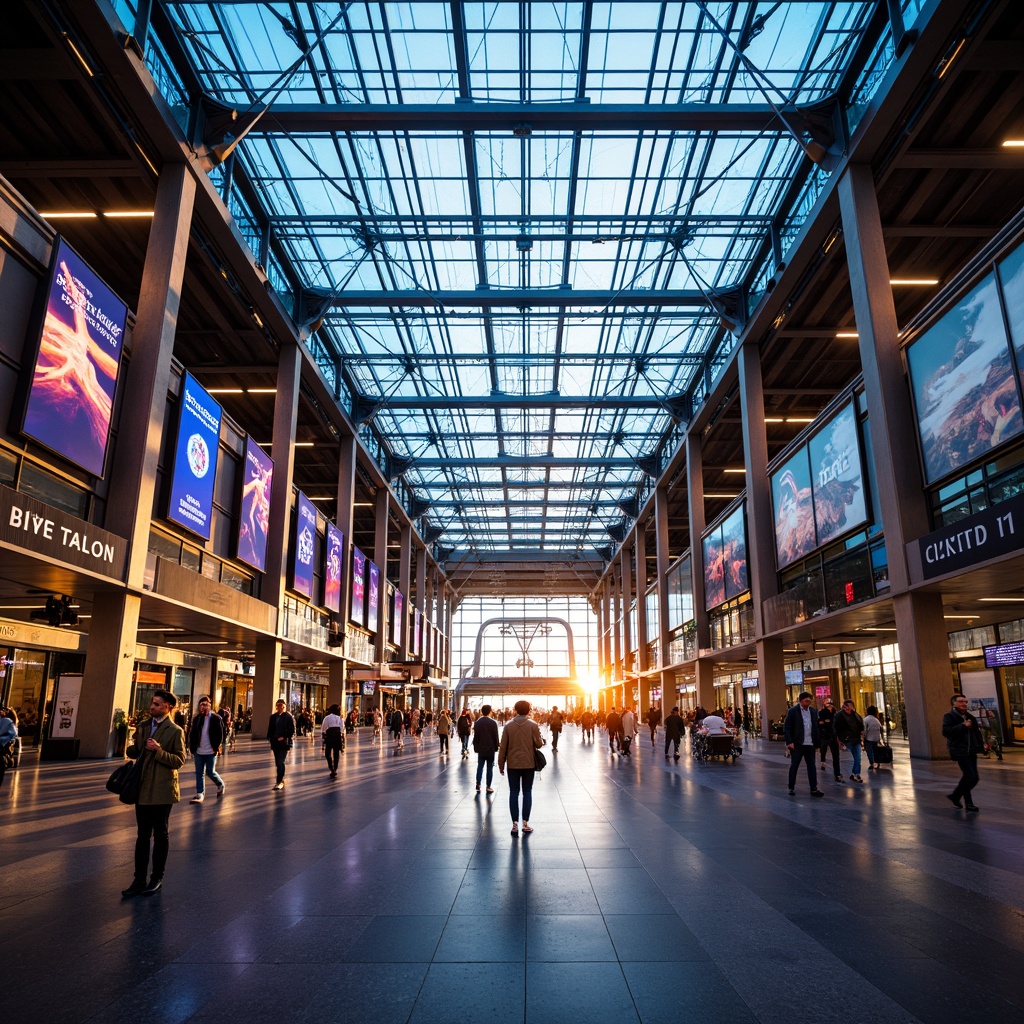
(521, 222)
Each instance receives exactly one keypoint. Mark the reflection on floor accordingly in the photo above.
(649, 891)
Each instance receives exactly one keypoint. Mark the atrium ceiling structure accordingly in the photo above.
(521, 232)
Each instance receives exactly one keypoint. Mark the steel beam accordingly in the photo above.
(487, 298)
(317, 118)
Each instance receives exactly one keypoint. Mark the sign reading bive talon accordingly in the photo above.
(998, 530)
(195, 459)
(43, 530)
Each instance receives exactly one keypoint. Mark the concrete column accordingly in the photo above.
(336, 683)
(628, 640)
(405, 586)
(606, 635)
(668, 677)
(616, 595)
(640, 553)
(380, 557)
(771, 681)
(704, 677)
(107, 678)
(920, 627)
(266, 684)
(764, 581)
(695, 509)
(346, 503)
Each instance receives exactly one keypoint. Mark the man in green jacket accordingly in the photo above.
(161, 745)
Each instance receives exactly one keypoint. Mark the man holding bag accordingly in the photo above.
(161, 745)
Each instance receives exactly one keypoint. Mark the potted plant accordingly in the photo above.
(121, 729)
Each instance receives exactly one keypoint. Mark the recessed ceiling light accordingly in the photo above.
(1002, 600)
(303, 444)
(741, 471)
(1013, 143)
(959, 616)
(717, 494)
(914, 281)
(773, 419)
(127, 213)
(68, 215)
(223, 391)
(262, 391)
(847, 334)
(799, 419)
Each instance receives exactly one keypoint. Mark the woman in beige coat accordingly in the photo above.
(519, 739)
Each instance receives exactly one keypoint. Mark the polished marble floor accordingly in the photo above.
(649, 891)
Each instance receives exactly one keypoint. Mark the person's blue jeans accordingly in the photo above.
(206, 767)
(520, 778)
(482, 760)
(869, 748)
(853, 746)
(465, 743)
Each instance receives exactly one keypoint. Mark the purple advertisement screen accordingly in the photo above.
(305, 545)
(372, 597)
(71, 397)
(257, 479)
(396, 619)
(417, 633)
(332, 568)
(356, 612)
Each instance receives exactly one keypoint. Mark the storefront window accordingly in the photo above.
(25, 674)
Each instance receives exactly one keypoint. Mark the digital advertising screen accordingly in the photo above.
(417, 633)
(1011, 278)
(794, 509)
(964, 383)
(397, 618)
(254, 518)
(305, 545)
(78, 359)
(837, 477)
(195, 459)
(714, 568)
(734, 553)
(372, 597)
(333, 540)
(358, 610)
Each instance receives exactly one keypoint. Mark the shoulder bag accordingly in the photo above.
(540, 762)
(126, 781)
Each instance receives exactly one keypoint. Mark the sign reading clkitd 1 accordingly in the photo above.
(195, 459)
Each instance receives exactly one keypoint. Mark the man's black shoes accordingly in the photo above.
(137, 888)
(954, 799)
(155, 885)
(972, 807)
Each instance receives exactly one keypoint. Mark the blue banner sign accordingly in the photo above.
(195, 459)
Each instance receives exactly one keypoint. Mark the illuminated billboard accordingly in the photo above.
(77, 362)
(397, 617)
(305, 545)
(195, 459)
(333, 540)
(794, 509)
(964, 383)
(837, 477)
(372, 597)
(357, 611)
(254, 507)
(725, 559)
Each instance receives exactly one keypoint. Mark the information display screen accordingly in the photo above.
(397, 617)
(77, 363)
(1004, 655)
(195, 459)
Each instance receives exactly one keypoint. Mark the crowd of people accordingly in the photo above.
(163, 740)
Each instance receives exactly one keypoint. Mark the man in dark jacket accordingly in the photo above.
(280, 732)
(485, 743)
(801, 735)
(396, 723)
(963, 737)
(675, 728)
(848, 727)
(555, 725)
(613, 723)
(653, 721)
(828, 741)
(205, 739)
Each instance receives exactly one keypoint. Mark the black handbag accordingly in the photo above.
(540, 762)
(126, 781)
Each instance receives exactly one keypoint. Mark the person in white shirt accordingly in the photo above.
(333, 740)
(714, 724)
(205, 739)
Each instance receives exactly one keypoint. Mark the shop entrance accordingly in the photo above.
(22, 682)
